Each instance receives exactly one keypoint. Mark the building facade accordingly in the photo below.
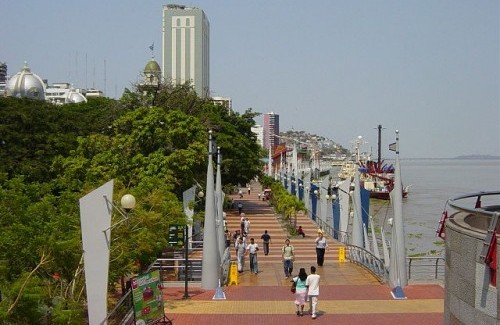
(3, 77)
(185, 46)
(258, 130)
(225, 102)
(271, 128)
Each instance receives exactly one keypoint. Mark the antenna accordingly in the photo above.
(86, 71)
(104, 77)
(76, 67)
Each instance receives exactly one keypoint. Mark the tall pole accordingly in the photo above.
(186, 261)
(397, 269)
(221, 242)
(210, 267)
(357, 222)
(379, 145)
(270, 162)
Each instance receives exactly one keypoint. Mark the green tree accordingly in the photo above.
(55, 155)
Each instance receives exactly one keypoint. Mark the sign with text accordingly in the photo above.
(176, 235)
(147, 296)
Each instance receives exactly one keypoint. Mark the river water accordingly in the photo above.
(432, 182)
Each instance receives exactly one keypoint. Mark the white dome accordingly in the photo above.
(75, 97)
(26, 84)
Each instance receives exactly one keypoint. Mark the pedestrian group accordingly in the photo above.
(305, 287)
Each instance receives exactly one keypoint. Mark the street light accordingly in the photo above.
(128, 202)
(95, 223)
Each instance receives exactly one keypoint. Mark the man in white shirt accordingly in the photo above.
(240, 253)
(252, 249)
(312, 284)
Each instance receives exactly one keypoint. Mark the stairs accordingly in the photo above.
(262, 217)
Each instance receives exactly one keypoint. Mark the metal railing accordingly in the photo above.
(476, 211)
(171, 270)
(123, 312)
(431, 264)
(365, 258)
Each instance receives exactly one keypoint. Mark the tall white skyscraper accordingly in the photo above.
(185, 44)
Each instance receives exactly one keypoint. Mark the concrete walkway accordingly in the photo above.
(348, 293)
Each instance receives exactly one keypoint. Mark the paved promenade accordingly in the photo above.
(348, 293)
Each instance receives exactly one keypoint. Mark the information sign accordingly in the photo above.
(176, 235)
(147, 296)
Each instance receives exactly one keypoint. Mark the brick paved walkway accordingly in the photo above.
(348, 293)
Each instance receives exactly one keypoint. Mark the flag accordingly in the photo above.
(152, 47)
(392, 146)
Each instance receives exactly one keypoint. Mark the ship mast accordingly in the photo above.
(379, 157)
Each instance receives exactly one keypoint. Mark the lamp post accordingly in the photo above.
(96, 209)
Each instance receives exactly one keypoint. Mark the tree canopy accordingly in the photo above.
(53, 155)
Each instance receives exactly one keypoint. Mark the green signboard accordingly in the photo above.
(176, 235)
(148, 300)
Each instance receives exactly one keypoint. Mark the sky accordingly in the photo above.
(428, 68)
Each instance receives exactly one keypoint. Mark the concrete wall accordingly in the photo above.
(469, 296)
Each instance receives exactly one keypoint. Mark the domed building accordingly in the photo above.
(64, 93)
(152, 73)
(25, 84)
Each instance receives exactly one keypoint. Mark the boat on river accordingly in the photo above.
(376, 176)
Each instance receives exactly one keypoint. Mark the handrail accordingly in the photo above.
(365, 258)
(342, 236)
(475, 211)
(436, 264)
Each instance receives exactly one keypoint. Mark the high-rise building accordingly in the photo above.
(258, 130)
(271, 128)
(3, 77)
(185, 45)
(3, 72)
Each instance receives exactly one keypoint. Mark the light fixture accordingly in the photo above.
(128, 202)
(201, 194)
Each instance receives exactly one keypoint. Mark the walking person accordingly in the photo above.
(266, 240)
(240, 207)
(242, 222)
(246, 225)
(228, 236)
(300, 291)
(321, 246)
(312, 284)
(248, 190)
(287, 253)
(252, 249)
(240, 254)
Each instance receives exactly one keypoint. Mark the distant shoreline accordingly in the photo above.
(465, 157)
(482, 157)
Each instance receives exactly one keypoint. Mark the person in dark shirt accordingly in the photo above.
(266, 240)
